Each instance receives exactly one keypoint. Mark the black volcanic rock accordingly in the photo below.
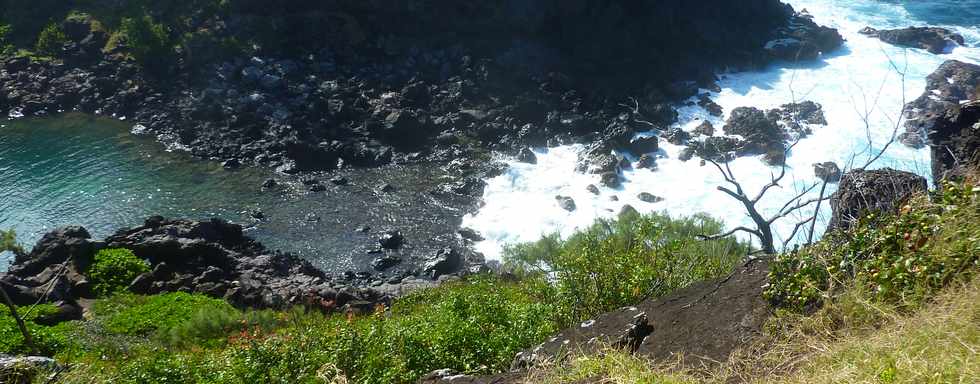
(878, 191)
(933, 39)
(827, 171)
(566, 203)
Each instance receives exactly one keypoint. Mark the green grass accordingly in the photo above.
(47, 340)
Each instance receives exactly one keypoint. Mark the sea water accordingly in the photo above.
(862, 88)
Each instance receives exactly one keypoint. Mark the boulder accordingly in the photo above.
(933, 39)
(649, 198)
(880, 191)
(566, 203)
(391, 240)
(526, 155)
(643, 145)
(446, 261)
(705, 129)
(827, 171)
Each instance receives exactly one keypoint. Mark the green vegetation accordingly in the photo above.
(615, 263)
(6, 47)
(901, 258)
(47, 339)
(8, 243)
(50, 40)
(113, 270)
(475, 326)
(147, 41)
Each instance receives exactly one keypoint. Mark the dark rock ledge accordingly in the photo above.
(209, 257)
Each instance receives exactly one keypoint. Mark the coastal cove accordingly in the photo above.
(76, 169)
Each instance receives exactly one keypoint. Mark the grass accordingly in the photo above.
(854, 341)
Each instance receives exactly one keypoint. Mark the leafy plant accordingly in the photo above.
(6, 48)
(48, 340)
(620, 262)
(147, 41)
(113, 270)
(901, 257)
(50, 40)
(135, 315)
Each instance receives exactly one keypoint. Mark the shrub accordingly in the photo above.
(620, 262)
(212, 324)
(50, 40)
(147, 41)
(901, 258)
(113, 270)
(6, 48)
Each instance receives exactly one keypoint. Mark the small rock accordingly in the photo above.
(706, 129)
(592, 189)
(312, 217)
(565, 203)
(628, 210)
(610, 179)
(391, 240)
(385, 262)
(526, 155)
(231, 164)
(257, 214)
(613, 198)
(647, 162)
(470, 234)
(649, 198)
(387, 188)
(270, 183)
(338, 180)
(827, 171)
(309, 181)
(318, 188)
(445, 262)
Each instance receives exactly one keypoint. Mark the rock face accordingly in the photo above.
(827, 171)
(802, 39)
(209, 257)
(950, 85)
(705, 322)
(935, 40)
(878, 191)
(955, 141)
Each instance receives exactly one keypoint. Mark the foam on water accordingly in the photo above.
(861, 79)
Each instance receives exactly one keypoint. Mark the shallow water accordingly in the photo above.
(861, 79)
(83, 170)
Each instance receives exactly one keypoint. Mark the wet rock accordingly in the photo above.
(470, 234)
(257, 214)
(802, 39)
(526, 155)
(387, 188)
(231, 164)
(706, 129)
(759, 130)
(565, 202)
(933, 39)
(391, 240)
(312, 217)
(649, 198)
(677, 136)
(647, 162)
(643, 145)
(610, 179)
(597, 159)
(880, 191)
(385, 262)
(628, 210)
(338, 180)
(317, 187)
(827, 171)
(704, 101)
(269, 184)
(445, 262)
(592, 189)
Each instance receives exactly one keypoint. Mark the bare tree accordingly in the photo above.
(763, 230)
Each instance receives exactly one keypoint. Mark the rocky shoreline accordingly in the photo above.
(217, 259)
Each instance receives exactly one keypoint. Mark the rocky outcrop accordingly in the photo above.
(384, 83)
(933, 39)
(209, 257)
(949, 86)
(955, 141)
(705, 322)
(880, 191)
(802, 39)
(752, 131)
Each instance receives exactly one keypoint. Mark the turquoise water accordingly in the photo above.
(90, 171)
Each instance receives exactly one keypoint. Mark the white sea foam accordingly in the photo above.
(860, 79)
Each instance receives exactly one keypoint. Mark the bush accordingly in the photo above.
(6, 48)
(901, 258)
(620, 262)
(148, 42)
(212, 324)
(50, 40)
(114, 269)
